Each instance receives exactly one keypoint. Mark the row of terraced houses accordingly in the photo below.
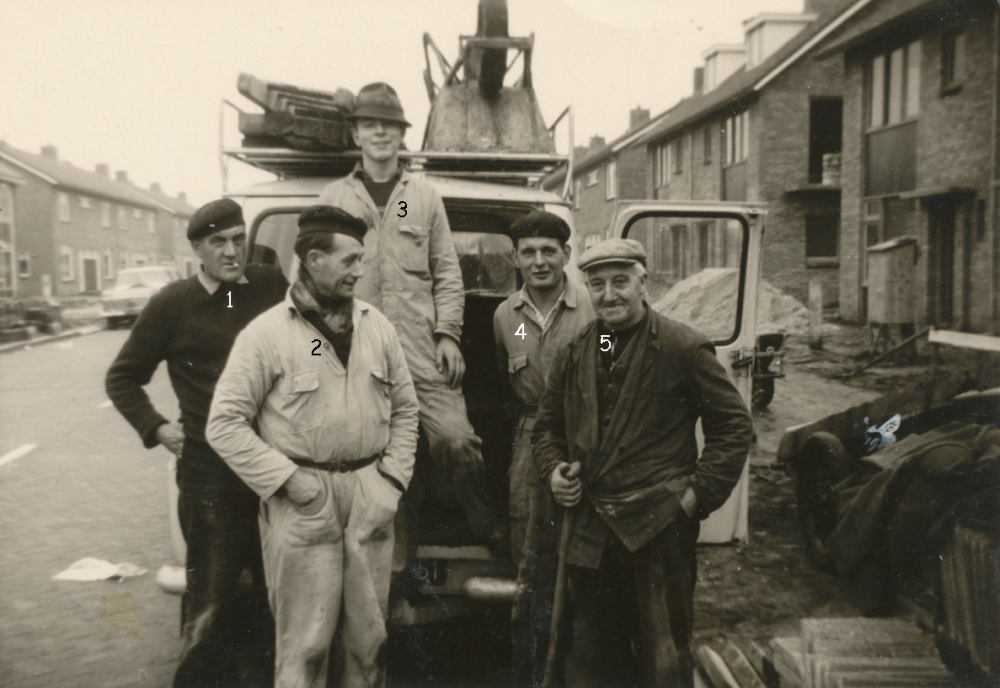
(855, 122)
(66, 231)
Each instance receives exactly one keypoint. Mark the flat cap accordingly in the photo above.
(327, 219)
(378, 101)
(214, 217)
(611, 251)
(539, 224)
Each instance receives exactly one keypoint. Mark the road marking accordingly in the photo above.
(106, 404)
(17, 453)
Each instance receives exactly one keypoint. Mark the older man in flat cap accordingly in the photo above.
(615, 440)
(413, 277)
(323, 380)
(530, 327)
(227, 629)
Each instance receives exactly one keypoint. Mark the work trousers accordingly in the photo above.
(633, 616)
(459, 473)
(227, 631)
(330, 559)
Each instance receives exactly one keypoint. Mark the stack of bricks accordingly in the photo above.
(860, 653)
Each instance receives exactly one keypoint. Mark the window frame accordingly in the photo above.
(151, 221)
(815, 261)
(62, 203)
(953, 52)
(611, 181)
(66, 254)
(892, 85)
(707, 144)
(592, 178)
(26, 257)
(122, 217)
(677, 153)
(106, 215)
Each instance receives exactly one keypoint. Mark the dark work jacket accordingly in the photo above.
(634, 479)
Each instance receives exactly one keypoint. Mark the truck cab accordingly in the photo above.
(440, 571)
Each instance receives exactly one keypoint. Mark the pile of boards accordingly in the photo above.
(293, 117)
(833, 653)
(970, 573)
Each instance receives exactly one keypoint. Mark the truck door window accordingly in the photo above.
(273, 240)
(693, 266)
(487, 262)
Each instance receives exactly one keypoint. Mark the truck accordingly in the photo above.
(440, 571)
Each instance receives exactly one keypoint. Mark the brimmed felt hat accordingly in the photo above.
(378, 101)
(613, 251)
(214, 217)
(331, 220)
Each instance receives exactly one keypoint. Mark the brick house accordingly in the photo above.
(10, 180)
(763, 116)
(920, 156)
(76, 228)
(603, 174)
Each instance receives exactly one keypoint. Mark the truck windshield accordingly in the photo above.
(144, 278)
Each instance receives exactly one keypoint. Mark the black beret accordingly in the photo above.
(326, 218)
(214, 217)
(539, 224)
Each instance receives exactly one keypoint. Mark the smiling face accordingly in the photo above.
(378, 139)
(337, 272)
(223, 254)
(617, 291)
(541, 261)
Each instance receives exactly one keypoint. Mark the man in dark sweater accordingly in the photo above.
(226, 625)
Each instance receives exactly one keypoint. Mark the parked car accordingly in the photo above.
(132, 291)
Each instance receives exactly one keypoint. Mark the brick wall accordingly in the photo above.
(34, 212)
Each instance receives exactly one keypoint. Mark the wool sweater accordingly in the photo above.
(193, 331)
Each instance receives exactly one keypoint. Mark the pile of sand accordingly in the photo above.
(707, 300)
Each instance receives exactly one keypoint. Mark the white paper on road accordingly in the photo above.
(89, 569)
(17, 453)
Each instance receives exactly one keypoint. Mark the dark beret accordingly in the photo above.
(613, 251)
(214, 217)
(539, 224)
(326, 218)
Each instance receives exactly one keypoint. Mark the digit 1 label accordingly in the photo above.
(230, 300)
(520, 332)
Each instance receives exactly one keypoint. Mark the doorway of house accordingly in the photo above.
(941, 263)
(90, 275)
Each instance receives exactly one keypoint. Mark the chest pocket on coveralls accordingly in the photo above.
(383, 397)
(302, 401)
(412, 248)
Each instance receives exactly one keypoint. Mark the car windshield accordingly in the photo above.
(143, 278)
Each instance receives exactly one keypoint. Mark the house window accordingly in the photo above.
(707, 143)
(952, 61)
(592, 178)
(737, 138)
(591, 240)
(678, 154)
(661, 160)
(577, 187)
(85, 203)
(151, 221)
(105, 214)
(108, 261)
(66, 263)
(894, 86)
(24, 265)
(122, 218)
(63, 201)
(821, 238)
(611, 181)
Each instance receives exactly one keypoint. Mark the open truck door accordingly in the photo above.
(703, 270)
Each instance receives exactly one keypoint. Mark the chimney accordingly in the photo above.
(155, 186)
(101, 169)
(50, 152)
(121, 176)
(637, 117)
(580, 152)
(596, 143)
(182, 197)
(815, 6)
(699, 80)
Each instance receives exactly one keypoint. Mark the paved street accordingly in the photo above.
(89, 489)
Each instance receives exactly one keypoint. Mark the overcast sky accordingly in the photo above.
(137, 84)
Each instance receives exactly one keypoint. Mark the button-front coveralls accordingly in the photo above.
(337, 550)
(412, 275)
(527, 360)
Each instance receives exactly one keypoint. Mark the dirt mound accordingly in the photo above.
(706, 301)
